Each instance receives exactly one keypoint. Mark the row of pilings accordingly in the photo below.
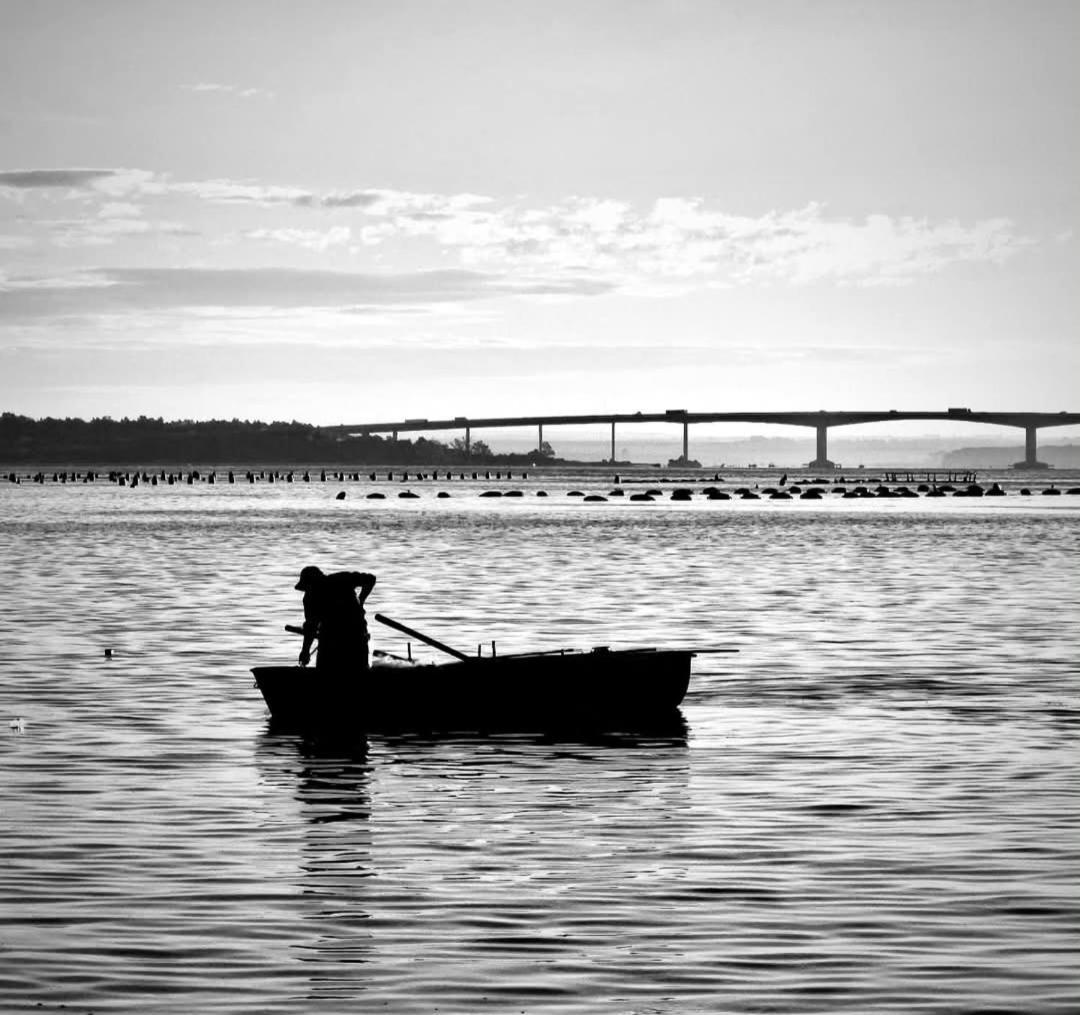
(190, 478)
(678, 488)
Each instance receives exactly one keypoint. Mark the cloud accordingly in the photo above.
(235, 90)
(680, 239)
(115, 290)
(241, 192)
(309, 239)
(671, 245)
(353, 199)
(32, 179)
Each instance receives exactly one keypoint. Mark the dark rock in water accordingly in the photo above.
(514, 493)
(936, 492)
(575, 493)
(594, 498)
(491, 493)
(795, 489)
(809, 494)
(995, 491)
(340, 496)
(541, 493)
(681, 494)
(642, 497)
(408, 495)
(1051, 491)
(1025, 492)
(839, 489)
(655, 493)
(749, 495)
(616, 493)
(719, 495)
(376, 496)
(1073, 491)
(442, 495)
(780, 495)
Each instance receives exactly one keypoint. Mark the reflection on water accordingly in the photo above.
(331, 784)
(871, 807)
(463, 822)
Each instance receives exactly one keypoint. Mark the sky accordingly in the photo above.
(364, 211)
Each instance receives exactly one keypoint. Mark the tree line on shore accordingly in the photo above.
(109, 441)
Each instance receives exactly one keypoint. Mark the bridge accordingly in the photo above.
(820, 421)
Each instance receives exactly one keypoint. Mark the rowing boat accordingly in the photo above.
(597, 689)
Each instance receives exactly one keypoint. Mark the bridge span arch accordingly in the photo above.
(821, 421)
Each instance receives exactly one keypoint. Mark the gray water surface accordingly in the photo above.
(871, 808)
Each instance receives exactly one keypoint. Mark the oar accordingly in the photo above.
(293, 629)
(421, 637)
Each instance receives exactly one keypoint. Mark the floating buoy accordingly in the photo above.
(340, 496)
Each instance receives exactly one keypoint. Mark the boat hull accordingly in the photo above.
(596, 690)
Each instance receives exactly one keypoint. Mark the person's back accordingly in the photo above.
(334, 613)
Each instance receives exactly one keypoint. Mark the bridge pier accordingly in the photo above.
(1031, 458)
(612, 459)
(821, 459)
(539, 438)
(685, 441)
(468, 441)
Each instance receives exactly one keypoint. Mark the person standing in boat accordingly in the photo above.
(334, 613)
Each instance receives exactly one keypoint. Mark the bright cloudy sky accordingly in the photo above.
(358, 210)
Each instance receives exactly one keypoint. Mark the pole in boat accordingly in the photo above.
(420, 637)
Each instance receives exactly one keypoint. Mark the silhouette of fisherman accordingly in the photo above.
(334, 613)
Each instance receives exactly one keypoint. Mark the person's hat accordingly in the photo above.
(308, 577)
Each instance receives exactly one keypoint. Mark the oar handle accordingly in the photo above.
(420, 637)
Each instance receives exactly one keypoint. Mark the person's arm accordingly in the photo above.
(364, 587)
(311, 629)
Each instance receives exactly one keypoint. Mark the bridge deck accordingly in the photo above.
(821, 418)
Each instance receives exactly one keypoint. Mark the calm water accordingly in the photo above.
(872, 808)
